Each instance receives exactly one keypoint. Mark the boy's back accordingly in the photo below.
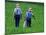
(17, 11)
(28, 14)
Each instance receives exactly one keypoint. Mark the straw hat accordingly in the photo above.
(17, 4)
(30, 9)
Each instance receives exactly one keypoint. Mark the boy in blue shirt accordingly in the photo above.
(17, 15)
(28, 17)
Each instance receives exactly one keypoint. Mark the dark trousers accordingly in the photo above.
(17, 20)
(28, 22)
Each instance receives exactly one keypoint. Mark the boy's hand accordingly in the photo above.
(21, 16)
(33, 16)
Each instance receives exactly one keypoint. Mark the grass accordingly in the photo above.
(37, 23)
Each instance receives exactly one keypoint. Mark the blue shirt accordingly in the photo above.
(17, 11)
(28, 14)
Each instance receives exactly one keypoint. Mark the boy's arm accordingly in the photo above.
(33, 15)
(21, 16)
(14, 11)
(21, 13)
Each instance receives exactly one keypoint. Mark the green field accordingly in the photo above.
(37, 23)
